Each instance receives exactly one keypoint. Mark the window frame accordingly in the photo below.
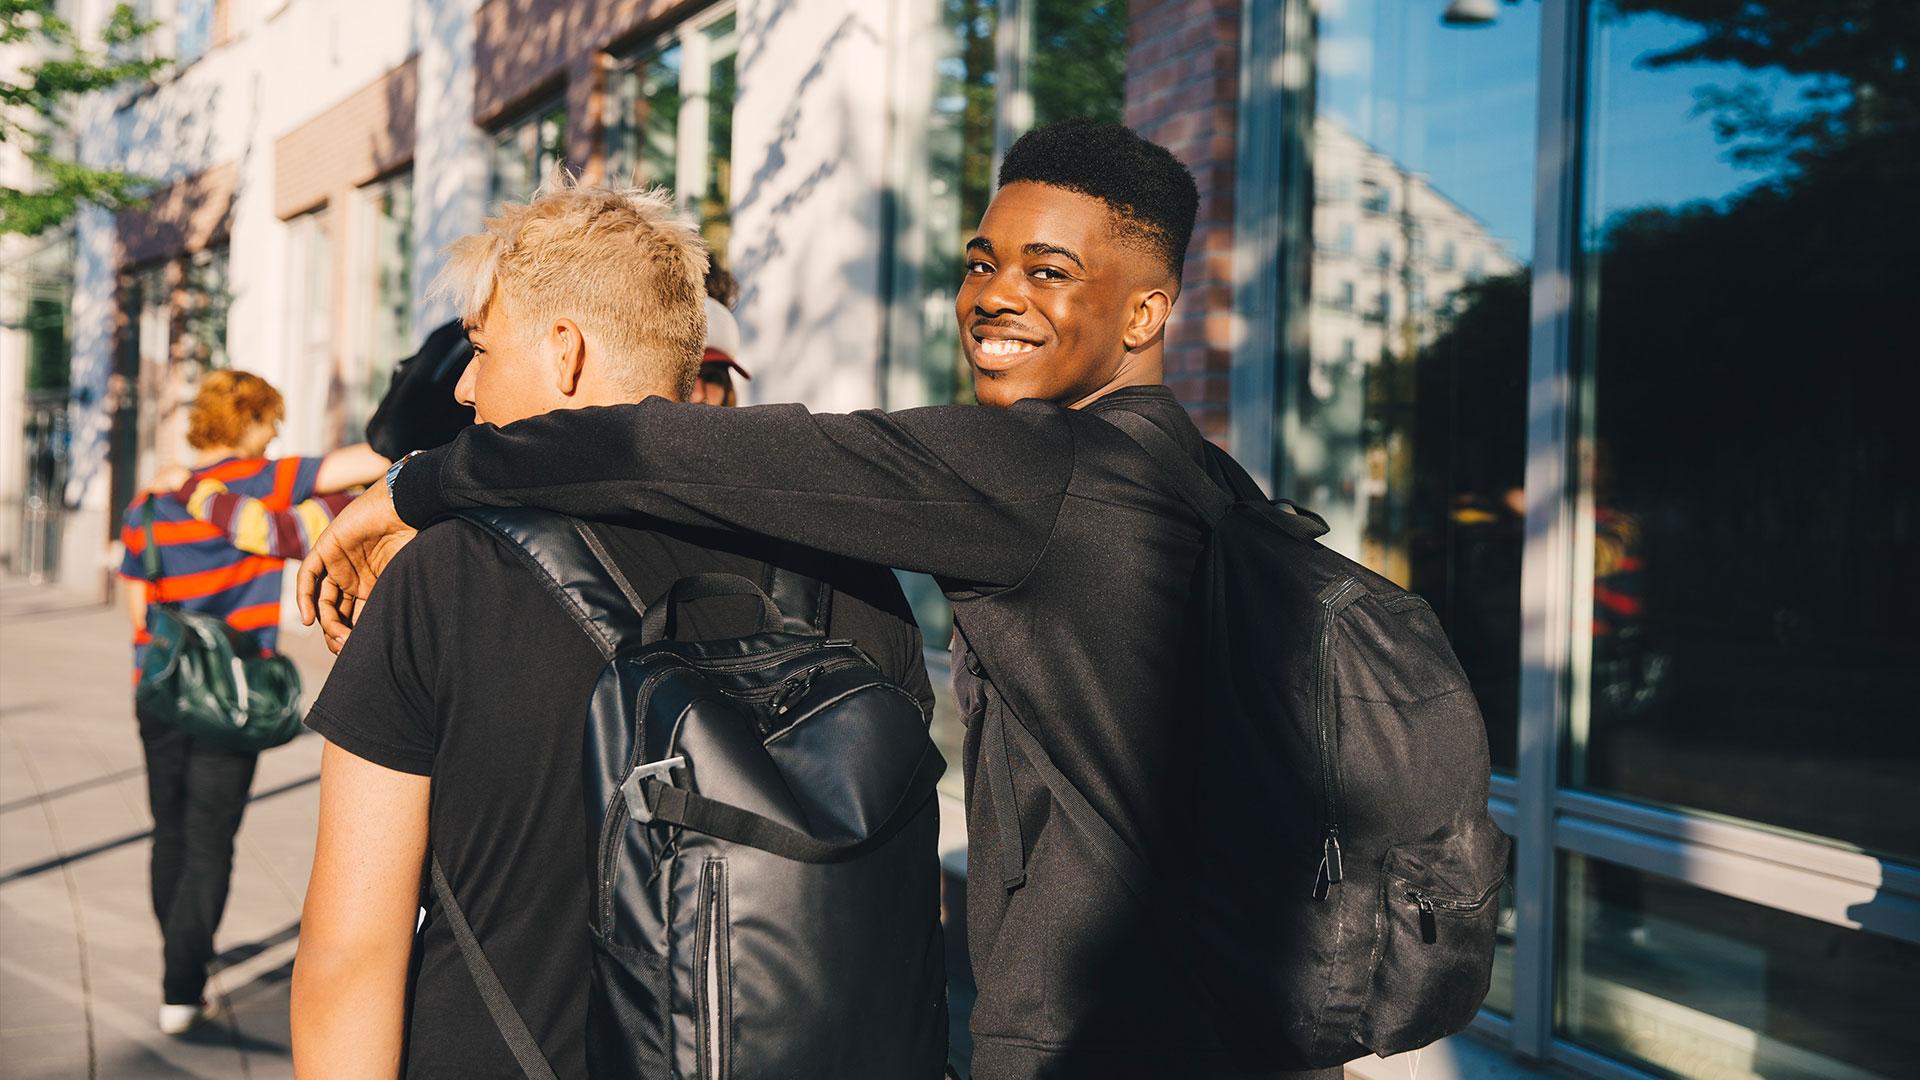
(690, 154)
(1803, 875)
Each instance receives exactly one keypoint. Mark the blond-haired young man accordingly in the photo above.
(455, 716)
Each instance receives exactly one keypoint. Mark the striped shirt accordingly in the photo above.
(201, 569)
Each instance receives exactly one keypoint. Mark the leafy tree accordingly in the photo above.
(1863, 96)
(33, 109)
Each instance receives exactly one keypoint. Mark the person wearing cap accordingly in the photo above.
(721, 359)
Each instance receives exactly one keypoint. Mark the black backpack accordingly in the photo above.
(766, 896)
(1351, 868)
(418, 411)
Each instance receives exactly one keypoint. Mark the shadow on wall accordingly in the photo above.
(169, 136)
(816, 133)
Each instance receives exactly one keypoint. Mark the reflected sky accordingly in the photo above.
(1654, 147)
(1455, 103)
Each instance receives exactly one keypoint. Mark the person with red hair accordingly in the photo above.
(222, 542)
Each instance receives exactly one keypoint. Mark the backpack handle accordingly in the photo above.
(660, 620)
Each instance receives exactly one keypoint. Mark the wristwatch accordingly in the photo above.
(393, 470)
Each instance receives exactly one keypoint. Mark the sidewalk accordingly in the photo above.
(79, 949)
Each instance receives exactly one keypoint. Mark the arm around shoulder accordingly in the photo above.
(349, 467)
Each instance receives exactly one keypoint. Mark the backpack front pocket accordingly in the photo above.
(1439, 910)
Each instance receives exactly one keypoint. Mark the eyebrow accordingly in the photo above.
(985, 247)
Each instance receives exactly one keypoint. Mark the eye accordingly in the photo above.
(979, 266)
(1048, 273)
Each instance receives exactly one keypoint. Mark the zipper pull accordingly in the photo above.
(1429, 926)
(793, 687)
(1330, 873)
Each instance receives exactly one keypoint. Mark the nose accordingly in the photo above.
(1001, 293)
(463, 390)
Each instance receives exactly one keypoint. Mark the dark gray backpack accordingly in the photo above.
(765, 898)
(1343, 880)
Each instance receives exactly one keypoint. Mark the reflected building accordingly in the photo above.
(1391, 256)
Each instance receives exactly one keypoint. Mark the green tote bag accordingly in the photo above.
(205, 678)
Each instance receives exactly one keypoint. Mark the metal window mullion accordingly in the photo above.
(1547, 571)
(1012, 77)
(1272, 140)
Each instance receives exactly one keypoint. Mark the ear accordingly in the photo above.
(568, 352)
(1148, 317)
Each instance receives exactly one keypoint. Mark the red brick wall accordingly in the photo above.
(1183, 79)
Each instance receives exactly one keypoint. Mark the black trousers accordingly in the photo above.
(197, 793)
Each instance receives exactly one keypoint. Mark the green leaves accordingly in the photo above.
(34, 105)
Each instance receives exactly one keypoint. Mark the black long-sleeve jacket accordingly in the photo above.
(1068, 558)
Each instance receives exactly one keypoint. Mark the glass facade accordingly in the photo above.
(526, 152)
(1405, 404)
(382, 298)
(1595, 339)
(672, 122)
(206, 297)
(1746, 478)
(1698, 984)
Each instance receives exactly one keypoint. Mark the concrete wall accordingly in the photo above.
(809, 162)
(276, 69)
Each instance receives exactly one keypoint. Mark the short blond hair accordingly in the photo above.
(619, 263)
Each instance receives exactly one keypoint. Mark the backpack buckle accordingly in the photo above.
(637, 807)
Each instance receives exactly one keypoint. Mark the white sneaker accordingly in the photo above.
(180, 1019)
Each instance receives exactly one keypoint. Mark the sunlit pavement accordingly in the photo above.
(79, 948)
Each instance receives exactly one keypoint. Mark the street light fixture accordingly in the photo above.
(1470, 13)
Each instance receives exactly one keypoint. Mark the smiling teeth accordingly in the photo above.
(1004, 347)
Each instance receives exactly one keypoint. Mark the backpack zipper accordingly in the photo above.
(1430, 905)
(1326, 729)
(713, 964)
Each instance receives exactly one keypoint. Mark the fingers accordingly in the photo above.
(336, 615)
(307, 584)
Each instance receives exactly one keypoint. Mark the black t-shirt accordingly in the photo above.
(464, 669)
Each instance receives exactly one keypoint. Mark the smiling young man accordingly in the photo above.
(1068, 557)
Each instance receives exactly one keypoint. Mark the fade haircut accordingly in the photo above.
(1151, 195)
(619, 263)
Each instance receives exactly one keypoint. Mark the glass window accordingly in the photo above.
(673, 123)
(1704, 985)
(309, 326)
(527, 151)
(1748, 501)
(206, 298)
(1080, 60)
(382, 299)
(1418, 479)
(193, 30)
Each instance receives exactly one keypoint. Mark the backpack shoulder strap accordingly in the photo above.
(1189, 479)
(1200, 491)
(804, 601)
(526, 1049)
(567, 558)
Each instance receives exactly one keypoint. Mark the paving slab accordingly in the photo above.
(79, 948)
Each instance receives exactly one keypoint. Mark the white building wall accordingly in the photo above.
(809, 166)
(809, 158)
(279, 69)
(449, 151)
